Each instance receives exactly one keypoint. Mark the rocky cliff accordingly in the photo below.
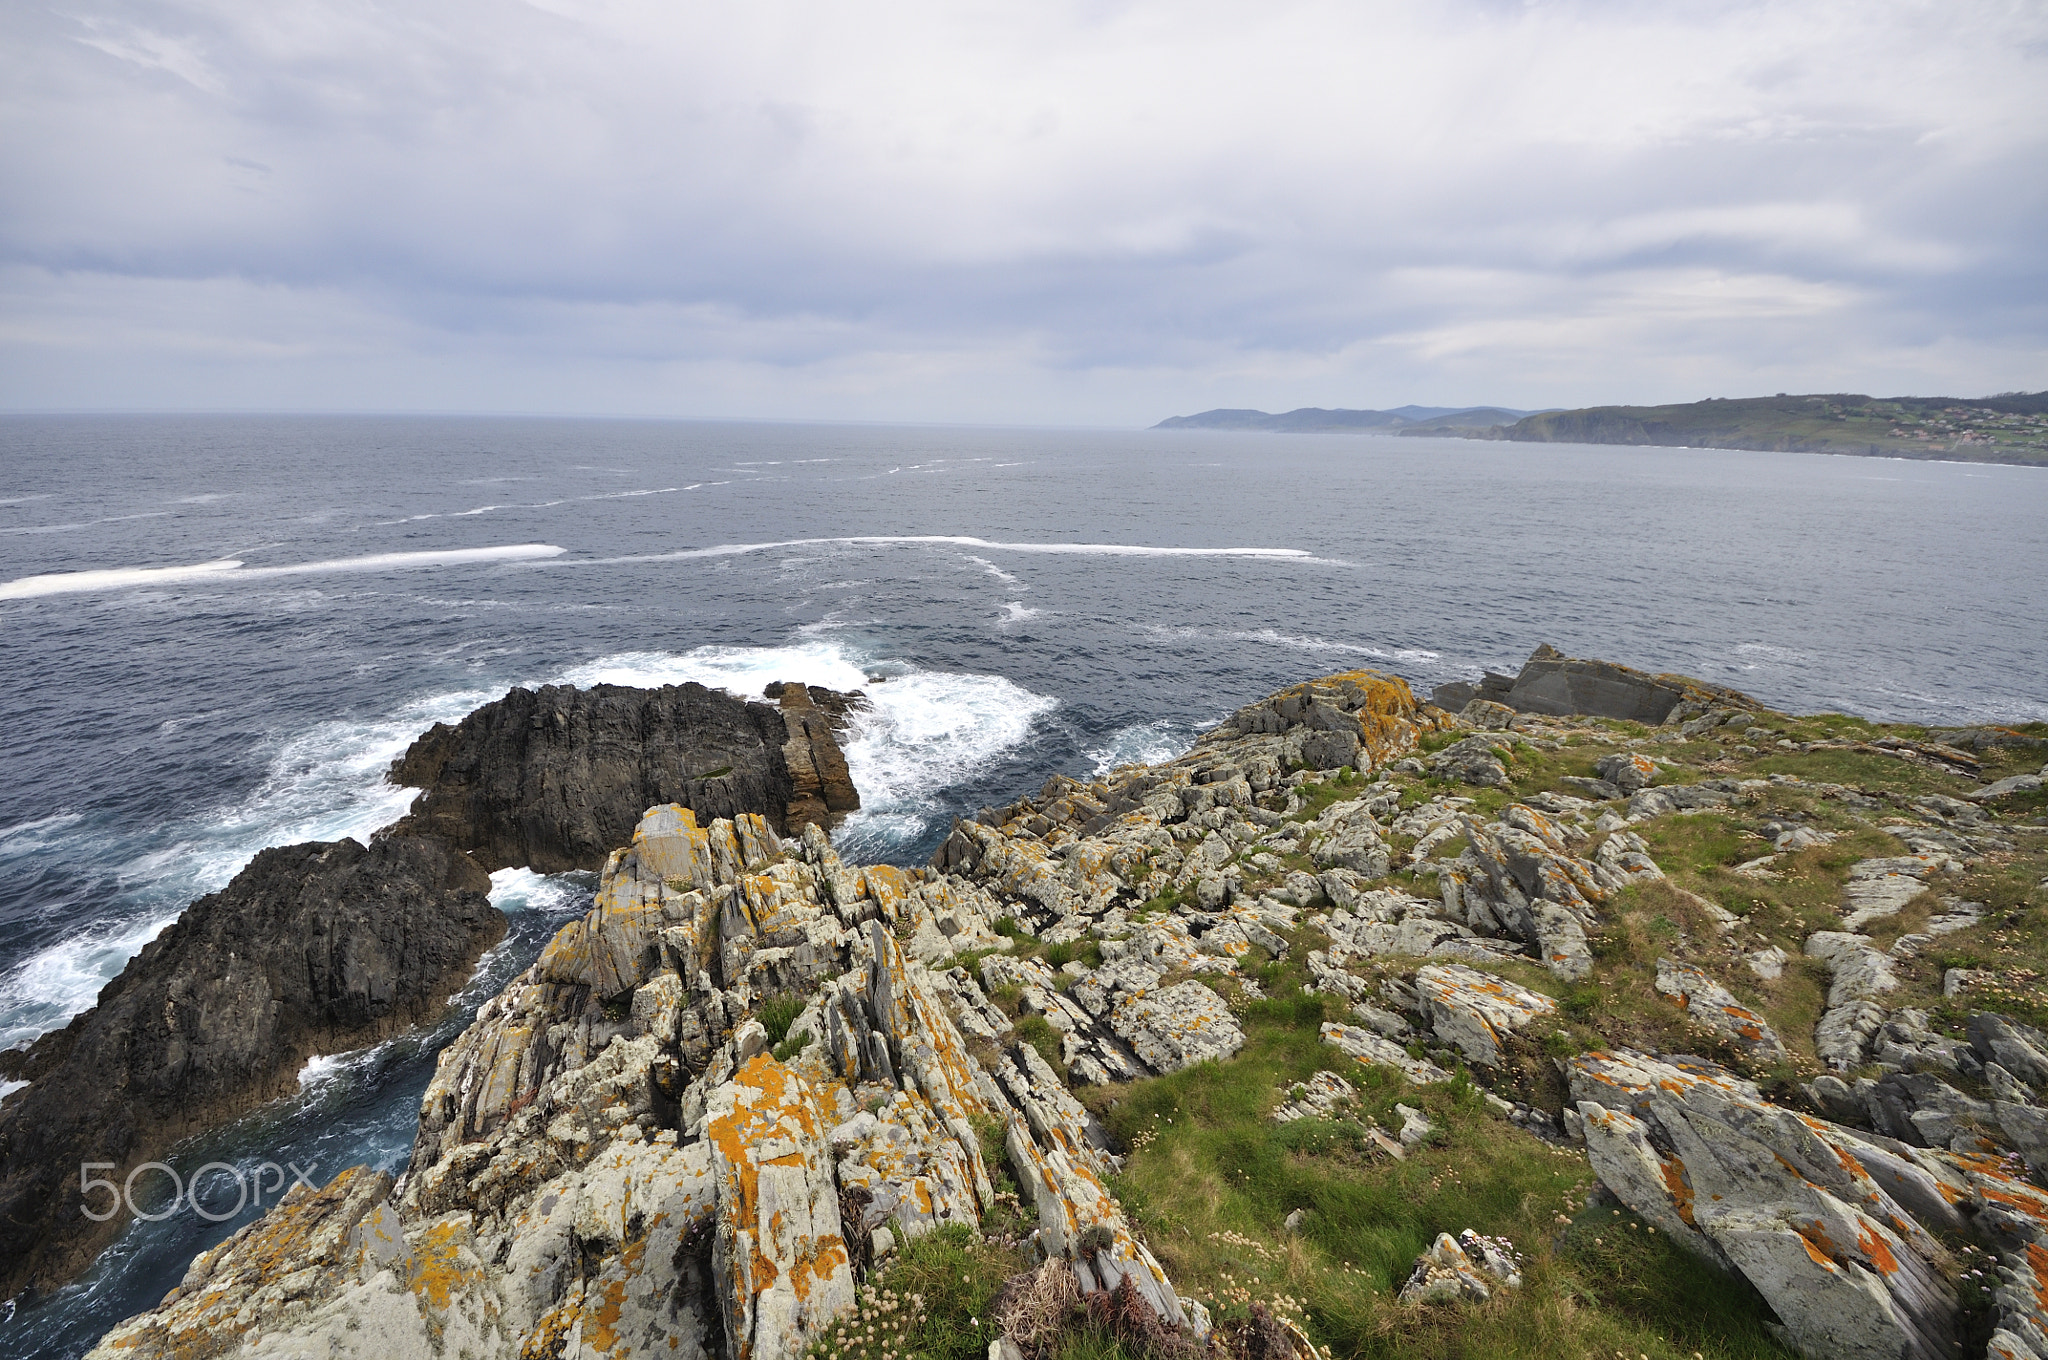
(1363, 1028)
(313, 948)
(554, 778)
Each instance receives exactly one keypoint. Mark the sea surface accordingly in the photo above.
(219, 630)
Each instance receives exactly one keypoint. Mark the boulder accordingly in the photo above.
(1626, 770)
(1467, 1266)
(554, 778)
(1708, 1003)
(1553, 683)
(1479, 761)
(1843, 1233)
(313, 948)
(1474, 1012)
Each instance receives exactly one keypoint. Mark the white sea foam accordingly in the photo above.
(949, 540)
(323, 784)
(121, 578)
(1143, 744)
(1016, 612)
(523, 890)
(927, 731)
(740, 670)
(995, 571)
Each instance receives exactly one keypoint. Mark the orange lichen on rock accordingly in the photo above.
(781, 1260)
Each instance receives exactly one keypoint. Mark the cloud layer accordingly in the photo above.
(1084, 212)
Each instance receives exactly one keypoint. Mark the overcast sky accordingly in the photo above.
(1044, 212)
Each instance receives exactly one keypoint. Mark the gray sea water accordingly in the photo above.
(218, 631)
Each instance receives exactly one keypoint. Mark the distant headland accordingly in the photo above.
(2011, 427)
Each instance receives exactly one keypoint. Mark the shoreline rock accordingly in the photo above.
(313, 948)
(553, 779)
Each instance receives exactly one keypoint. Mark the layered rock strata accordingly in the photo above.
(615, 1159)
(1844, 1233)
(311, 949)
(554, 778)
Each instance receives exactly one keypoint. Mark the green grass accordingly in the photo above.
(1211, 1178)
(778, 1013)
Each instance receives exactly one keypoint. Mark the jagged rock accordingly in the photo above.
(1391, 922)
(1465, 1266)
(1415, 1126)
(1358, 718)
(1840, 1232)
(1487, 715)
(1519, 877)
(317, 1255)
(1644, 804)
(2019, 1049)
(1860, 974)
(1347, 836)
(821, 785)
(313, 948)
(1626, 770)
(1709, 1003)
(1478, 761)
(554, 778)
(1474, 1011)
(781, 1262)
(1372, 1050)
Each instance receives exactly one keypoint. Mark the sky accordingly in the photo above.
(1055, 212)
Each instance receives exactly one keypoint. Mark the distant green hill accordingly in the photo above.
(2009, 428)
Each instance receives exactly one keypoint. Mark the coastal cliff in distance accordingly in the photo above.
(2009, 428)
(1317, 420)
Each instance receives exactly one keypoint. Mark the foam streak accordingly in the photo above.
(120, 578)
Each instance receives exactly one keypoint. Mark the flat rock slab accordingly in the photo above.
(1881, 887)
(1178, 1027)
(1372, 1050)
(1474, 1011)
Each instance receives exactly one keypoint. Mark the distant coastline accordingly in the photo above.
(2010, 427)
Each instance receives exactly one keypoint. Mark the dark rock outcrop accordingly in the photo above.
(1552, 683)
(313, 948)
(554, 778)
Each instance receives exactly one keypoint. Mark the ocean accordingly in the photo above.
(219, 630)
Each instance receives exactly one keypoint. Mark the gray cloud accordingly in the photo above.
(1081, 212)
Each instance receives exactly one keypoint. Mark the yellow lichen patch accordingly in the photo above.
(888, 886)
(437, 1273)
